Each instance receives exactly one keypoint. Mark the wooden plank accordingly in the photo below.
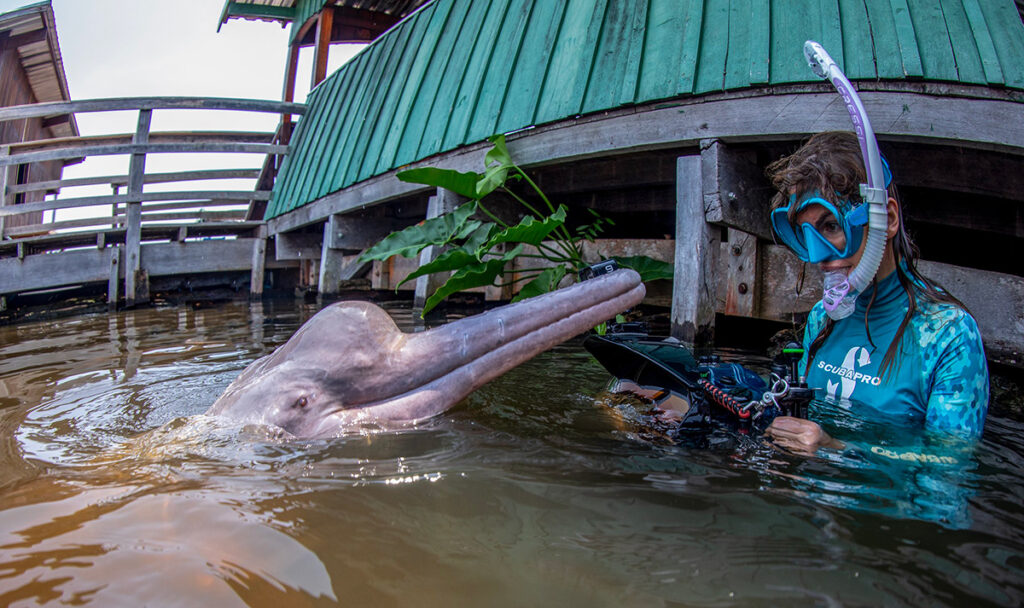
(427, 81)
(1005, 31)
(616, 64)
(322, 45)
(962, 41)
(760, 48)
(711, 61)
(668, 33)
(150, 178)
(258, 263)
(134, 279)
(737, 59)
(906, 39)
(336, 163)
(58, 108)
(194, 257)
(331, 262)
(831, 36)
(572, 61)
(983, 40)
(445, 201)
(741, 274)
(936, 52)
(995, 301)
(202, 216)
(311, 151)
(694, 287)
(244, 137)
(888, 62)
(165, 148)
(736, 193)
(427, 26)
(37, 229)
(297, 246)
(857, 41)
(114, 281)
(34, 272)
(356, 233)
(488, 67)
(521, 96)
(431, 113)
(5, 171)
(788, 286)
(199, 197)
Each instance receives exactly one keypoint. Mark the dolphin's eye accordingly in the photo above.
(301, 402)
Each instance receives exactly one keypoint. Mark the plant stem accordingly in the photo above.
(487, 212)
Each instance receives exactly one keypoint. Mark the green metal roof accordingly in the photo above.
(458, 71)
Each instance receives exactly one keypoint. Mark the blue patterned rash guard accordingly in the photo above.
(938, 378)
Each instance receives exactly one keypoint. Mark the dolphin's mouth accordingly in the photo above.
(470, 352)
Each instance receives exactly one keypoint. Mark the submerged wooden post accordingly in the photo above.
(445, 201)
(696, 259)
(259, 259)
(136, 283)
(331, 259)
(114, 282)
(4, 172)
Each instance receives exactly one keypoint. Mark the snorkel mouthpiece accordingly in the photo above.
(839, 299)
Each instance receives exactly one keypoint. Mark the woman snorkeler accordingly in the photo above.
(907, 348)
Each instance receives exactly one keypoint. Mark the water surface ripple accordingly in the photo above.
(116, 489)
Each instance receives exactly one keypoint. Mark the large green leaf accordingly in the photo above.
(649, 269)
(529, 230)
(412, 240)
(463, 184)
(497, 162)
(453, 259)
(477, 275)
(546, 281)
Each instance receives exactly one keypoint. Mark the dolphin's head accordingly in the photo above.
(350, 365)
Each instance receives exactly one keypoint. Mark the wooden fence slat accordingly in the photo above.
(149, 103)
(133, 216)
(162, 137)
(199, 197)
(158, 148)
(151, 178)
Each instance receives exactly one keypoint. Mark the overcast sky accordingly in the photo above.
(128, 48)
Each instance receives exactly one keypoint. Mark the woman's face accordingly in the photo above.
(826, 223)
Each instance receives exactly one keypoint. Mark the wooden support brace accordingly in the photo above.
(736, 193)
(101, 240)
(114, 282)
(445, 201)
(259, 261)
(322, 45)
(21, 251)
(182, 234)
(694, 287)
(4, 183)
(331, 260)
(740, 284)
(136, 282)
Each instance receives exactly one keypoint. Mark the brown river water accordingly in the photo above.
(116, 490)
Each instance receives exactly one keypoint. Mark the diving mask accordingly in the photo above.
(836, 234)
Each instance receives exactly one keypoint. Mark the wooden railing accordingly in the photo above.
(134, 214)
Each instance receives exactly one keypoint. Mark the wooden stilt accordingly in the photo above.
(445, 201)
(696, 258)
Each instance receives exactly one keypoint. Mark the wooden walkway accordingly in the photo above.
(131, 235)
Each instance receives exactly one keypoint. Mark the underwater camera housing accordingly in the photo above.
(663, 371)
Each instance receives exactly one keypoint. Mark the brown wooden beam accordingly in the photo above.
(322, 45)
(32, 37)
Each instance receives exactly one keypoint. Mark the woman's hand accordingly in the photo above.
(799, 435)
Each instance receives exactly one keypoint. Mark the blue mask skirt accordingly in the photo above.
(809, 244)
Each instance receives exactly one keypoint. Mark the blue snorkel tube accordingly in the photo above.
(839, 297)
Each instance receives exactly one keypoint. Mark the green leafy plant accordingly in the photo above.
(477, 245)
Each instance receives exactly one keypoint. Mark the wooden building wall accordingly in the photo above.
(15, 90)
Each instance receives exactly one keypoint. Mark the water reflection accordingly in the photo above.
(115, 489)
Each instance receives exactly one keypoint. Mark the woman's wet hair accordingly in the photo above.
(831, 163)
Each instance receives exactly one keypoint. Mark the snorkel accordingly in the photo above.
(840, 293)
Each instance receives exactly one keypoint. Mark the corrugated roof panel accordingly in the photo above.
(459, 71)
